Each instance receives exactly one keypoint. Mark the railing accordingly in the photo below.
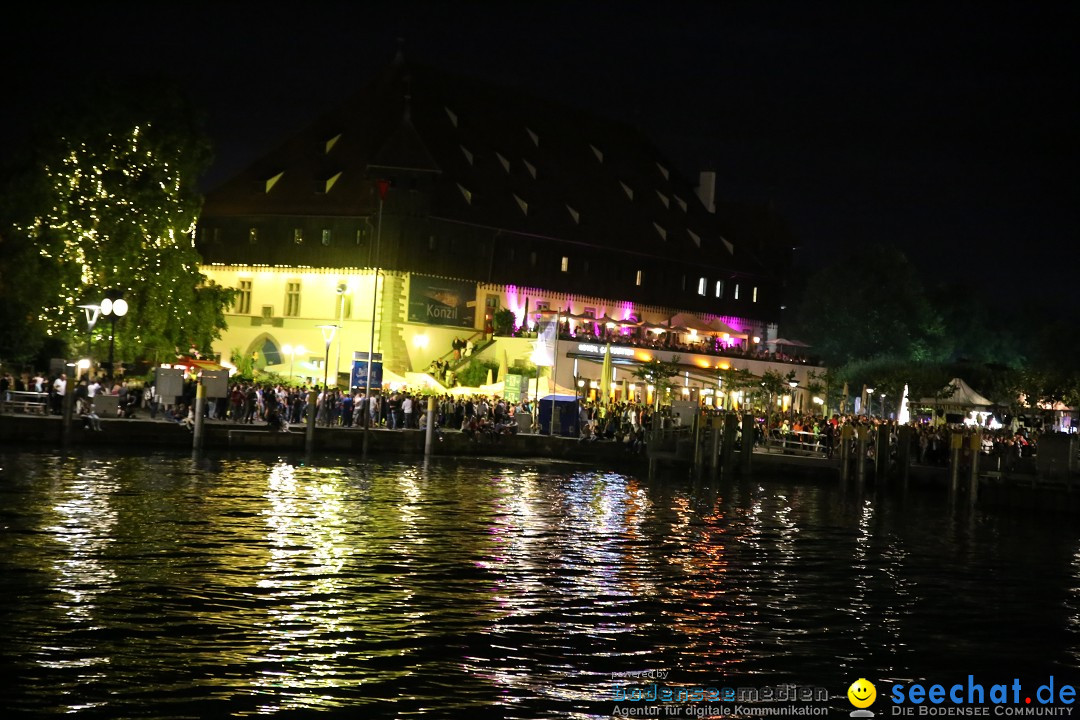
(27, 402)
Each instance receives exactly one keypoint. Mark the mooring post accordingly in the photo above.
(975, 445)
(68, 403)
(881, 454)
(200, 402)
(747, 442)
(903, 453)
(860, 461)
(956, 445)
(846, 433)
(731, 430)
(715, 446)
(696, 432)
(430, 425)
(312, 410)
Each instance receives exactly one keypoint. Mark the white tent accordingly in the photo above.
(961, 396)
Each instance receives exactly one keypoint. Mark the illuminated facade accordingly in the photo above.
(466, 200)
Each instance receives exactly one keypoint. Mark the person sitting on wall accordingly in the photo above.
(91, 420)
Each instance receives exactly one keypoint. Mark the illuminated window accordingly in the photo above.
(637, 280)
(719, 288)
(754, 298)
(298, 236)
(701, 286)
(736, 291)
(292, 298)
(565, 264)
(243, 298)
(326, 237)
(253, 235)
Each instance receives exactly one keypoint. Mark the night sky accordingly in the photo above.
(948, 129)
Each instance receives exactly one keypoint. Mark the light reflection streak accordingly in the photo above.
(304, 633)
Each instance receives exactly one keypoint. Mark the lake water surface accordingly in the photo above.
(163, 586)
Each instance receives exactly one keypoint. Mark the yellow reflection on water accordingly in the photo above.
(304, 630)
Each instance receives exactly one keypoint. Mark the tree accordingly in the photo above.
(658, 373)
(107, 200)
(503, 321)
(867, 304)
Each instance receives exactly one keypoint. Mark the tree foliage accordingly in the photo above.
(867, 304)
(107, 199)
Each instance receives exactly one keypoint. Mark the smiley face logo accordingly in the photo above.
(862, 693)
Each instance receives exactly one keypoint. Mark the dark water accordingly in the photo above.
(158, 586)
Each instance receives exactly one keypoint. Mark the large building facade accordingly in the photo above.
(417, 210)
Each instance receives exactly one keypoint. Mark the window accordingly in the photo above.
(719, 288)
(753, 297)
(292, 298)
(298, 236)
(736, 291)
(585, 267)
(253, 235)
(326, 237)
(243, 298)
(589, 312)
(701, 286)
(532, 258)
(346, 309)
(637, 280)
(432, 242)
(565, 264)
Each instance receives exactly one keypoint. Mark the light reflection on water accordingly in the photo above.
(253, 586)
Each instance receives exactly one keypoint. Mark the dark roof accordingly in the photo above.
(495, 158)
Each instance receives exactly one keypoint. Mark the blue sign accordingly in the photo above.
(360, 371)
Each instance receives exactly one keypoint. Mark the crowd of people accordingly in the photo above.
(483, 417)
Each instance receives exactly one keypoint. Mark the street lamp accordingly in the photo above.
(113, 308)
(292, 352)
(869, 402)
(92, 314)
(793, 384)
(328, 336)
(342, 289)
(882, 404)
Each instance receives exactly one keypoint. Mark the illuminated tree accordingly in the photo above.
(108, 201)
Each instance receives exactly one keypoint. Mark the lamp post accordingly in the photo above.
(92, 314)
(113, 308)
(383, 186)
(882, 404)
(292, 352)
(793, 384)
(869, 402)
(328, 337)
(341, 290)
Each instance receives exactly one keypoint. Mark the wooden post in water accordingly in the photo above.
(846, 433)
(68, 406)
(715, 425)
(860, 460)
(975, 446)
(903, 452)
(200, 402)
(731, 430)
(747, 442)
(430, 425)
(309, 437)
(697, 432)
(881, 454)
(956, 445)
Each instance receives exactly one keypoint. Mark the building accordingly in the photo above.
(427, 203)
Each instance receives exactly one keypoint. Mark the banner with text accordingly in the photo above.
(438, 301)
